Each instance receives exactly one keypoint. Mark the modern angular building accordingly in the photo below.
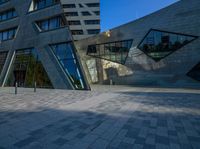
(160, 49)
(83, 17)
(36, 46)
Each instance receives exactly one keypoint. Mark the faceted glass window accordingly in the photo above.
(3, 1)
(28, 69)
(8, 34)
(159, 44)
(51, 23)
(3, 56)
(65, 55)
(112, 51)
(8, 14)
(40, 4)
(195, 72)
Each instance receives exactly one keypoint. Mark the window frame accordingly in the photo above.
(7, 13)
(168, 32)
(48, 21)
(110, 54)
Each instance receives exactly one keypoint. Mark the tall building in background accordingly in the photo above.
(83, 17)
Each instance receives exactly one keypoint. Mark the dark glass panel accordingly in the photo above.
(8, 14)
(27, 69)
(93, 31)
(159, 44)
(3, 56)
(195, 72)
(7, 34)
(71, 14)
(65, 55)
(51, 23)
(3, 1)
(71, 68)
(113, 51)
(69, 6)
(93, 4)
(40, 4)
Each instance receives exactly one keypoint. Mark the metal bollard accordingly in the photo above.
(111, 82)
(35, 86)
(16, 88)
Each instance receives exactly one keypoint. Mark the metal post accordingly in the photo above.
(16, 88)
(111, 82)
(35, 86)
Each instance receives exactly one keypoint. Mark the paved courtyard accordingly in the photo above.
(113, 118)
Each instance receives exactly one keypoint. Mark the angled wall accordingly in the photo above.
(179, 20)
(38, 27)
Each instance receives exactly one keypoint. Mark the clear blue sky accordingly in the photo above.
(118, 12)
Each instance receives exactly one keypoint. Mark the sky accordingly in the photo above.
(118, 12)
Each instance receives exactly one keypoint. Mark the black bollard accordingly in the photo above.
(35, 86)
(16, 88)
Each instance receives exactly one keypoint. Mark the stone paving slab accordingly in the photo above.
(119, 118)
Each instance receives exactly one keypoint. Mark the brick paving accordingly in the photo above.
(123, 118)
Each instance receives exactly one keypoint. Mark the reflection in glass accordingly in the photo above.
(113, 51)
(40, 4)
(159, 44)
(3, 1)
(27, 69)
(65, 55)
(8, 34)
(195, 72)
(51, 23)
(8, 14)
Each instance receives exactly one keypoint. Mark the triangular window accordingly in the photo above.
(159, 44)
(28, 69)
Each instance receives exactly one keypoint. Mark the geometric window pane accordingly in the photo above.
(65, 55)
(8, 14)
(159, 44)
(8, 34)
(195, 72)
(40, 4)
(51, 23)
(113, 51)
(3, 1)
(27, 69)
(3, 56)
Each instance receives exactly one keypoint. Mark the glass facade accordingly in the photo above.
(159, 44)
(8, 14)
(3, 1)
(65, 55)
(8, 34)
(3, 56)
(40, 4)
(113, 51)
(51, 23)
(27, 69)
(195, 72)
